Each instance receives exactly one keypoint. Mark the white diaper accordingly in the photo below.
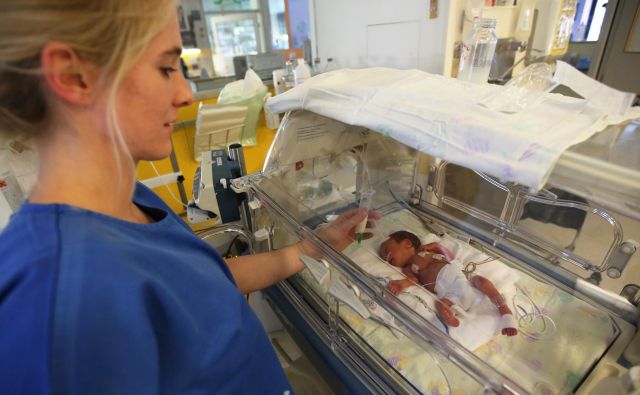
(453, 285)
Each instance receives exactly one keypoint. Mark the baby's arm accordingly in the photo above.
(438, 248)
(397, 286)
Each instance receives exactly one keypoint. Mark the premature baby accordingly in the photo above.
(429, 265)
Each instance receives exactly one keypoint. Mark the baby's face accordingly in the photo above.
(396, 253)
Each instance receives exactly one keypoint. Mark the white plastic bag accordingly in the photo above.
(242, 89)
(522, 91)
(612, 101)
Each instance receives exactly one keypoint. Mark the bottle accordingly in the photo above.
(278, 81)
(306, 51)
(272, 120)
(301, 73)
(476, 53)
(289, 67)
(316, 65)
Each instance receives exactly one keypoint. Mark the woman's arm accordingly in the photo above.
(255, 272)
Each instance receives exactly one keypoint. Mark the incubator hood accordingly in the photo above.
(563, 258)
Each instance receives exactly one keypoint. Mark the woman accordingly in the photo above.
(102, 288)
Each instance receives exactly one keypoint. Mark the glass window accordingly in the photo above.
(236, 37)
(229, 5)
(232, 35)
(299, 22)
(588, 20)
(279, 35)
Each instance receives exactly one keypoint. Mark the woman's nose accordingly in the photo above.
(184, 96)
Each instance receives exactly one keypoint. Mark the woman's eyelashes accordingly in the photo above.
(166, 71)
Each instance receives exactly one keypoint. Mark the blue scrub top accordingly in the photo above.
(90, 304)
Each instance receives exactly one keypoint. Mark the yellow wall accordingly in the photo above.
(183, 147)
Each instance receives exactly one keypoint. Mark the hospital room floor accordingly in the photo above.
(303, 377)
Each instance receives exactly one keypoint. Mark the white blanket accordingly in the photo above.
(477, 326)
(442, 117)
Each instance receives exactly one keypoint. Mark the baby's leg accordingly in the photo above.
(485, 286)
(446, 314)
(508, 323)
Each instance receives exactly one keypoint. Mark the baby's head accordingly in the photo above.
(399, 248)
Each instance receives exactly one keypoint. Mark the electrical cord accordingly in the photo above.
(166, 186)
(529, 315)
(406, 205)
(228, 253)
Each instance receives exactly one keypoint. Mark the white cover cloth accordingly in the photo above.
(479, 324)
(441, 116)
(453, 285)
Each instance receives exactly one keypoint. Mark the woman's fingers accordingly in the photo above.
(342, 232)
(367, 235)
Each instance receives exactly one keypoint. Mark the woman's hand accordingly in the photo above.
(342, 232)
(255, 272)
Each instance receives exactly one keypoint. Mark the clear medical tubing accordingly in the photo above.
(476, 53)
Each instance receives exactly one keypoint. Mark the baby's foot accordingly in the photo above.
(508, 325)
(446, 314)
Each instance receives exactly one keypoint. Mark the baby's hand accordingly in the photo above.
(437, 248)
(397, 286)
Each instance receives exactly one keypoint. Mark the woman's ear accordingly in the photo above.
(67, 76)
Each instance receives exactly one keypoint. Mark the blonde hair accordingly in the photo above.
(111, 34)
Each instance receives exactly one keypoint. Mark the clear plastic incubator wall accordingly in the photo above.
(558, 257)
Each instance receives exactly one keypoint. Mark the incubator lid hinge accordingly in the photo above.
(621, 257)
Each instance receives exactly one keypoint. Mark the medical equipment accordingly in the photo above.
(18, 169)
(540, 240)
(570, 331)
(213, 197)
(553, 27)
(263, 64)
(366, 191)
(234, 117)
(11, 197)
(527, 31)
(477, 50)
(365, 204)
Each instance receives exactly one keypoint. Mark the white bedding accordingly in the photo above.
(478, 325)
(444, 117)
(553, 360)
